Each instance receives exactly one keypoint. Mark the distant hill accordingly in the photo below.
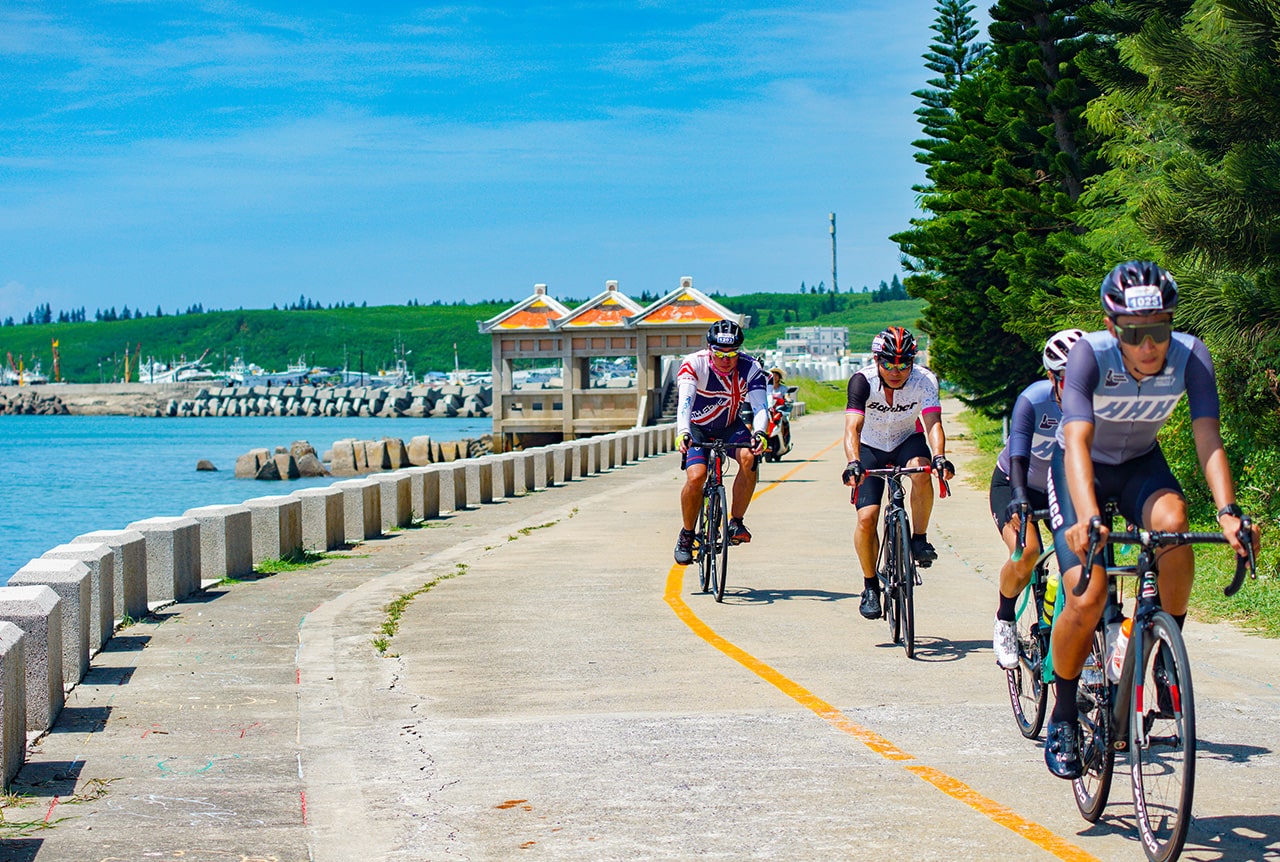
(94, 351)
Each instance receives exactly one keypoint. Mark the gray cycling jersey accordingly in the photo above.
(1126, 413)
(1032, 433)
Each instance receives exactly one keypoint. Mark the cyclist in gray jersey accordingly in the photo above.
(1121, 385)
(1018, 485)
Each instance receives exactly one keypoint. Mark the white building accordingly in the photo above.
(826, 341)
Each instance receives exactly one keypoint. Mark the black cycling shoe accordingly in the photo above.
(1062, 749)
(923, 552)
(684, 547)
(738, 532)
(869, 607)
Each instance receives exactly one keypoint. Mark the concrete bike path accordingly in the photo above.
(548, 701)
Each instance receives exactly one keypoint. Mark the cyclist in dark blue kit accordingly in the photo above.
(1121, 386)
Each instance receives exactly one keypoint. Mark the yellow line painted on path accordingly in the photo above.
(956, 789)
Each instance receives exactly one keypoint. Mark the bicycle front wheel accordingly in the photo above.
(1162, 740)
(704, 545)
(889, 589)
(1028, 695)
(1094, 696)
(906, 589)
(722, 543)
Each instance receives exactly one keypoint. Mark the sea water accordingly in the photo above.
(61, 476)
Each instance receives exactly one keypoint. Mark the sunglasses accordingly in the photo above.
(724, 354)
(1136, 333)
(896, 366)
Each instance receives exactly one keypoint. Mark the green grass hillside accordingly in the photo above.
(271, 338)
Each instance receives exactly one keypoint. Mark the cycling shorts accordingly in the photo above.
(1002, 493)
(872, 487)
(737, 435)
(1130, 484)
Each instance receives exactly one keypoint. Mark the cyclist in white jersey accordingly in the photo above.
(1121, 385)
(1019, 483)
(892, 405)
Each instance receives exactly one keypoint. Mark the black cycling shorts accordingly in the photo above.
(1130, 484)
(872, 487)
(1002, 492)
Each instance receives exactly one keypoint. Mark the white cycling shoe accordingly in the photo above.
(1004, 640)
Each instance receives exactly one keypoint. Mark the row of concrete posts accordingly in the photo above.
(59, 611)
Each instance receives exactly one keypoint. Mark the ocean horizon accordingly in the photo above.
(69, 475)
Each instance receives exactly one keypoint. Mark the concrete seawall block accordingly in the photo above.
(543, 468)
(101, 562)
(504, 474)
(13, 703)
(362, 509)
(37, 611)
(173, 557)
(70, 580)
(609, 452)
(226, 541)
(453, 486)
(526, 472)
(578, 451)
(323, 518)
(561, 465)
(276, 527)
(130, 587)
(591, 450)
(396, 500)
(479, 478)
(424, 487)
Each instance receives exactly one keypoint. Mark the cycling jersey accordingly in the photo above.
(1127, 414)
(886, 425)
(710, 400)
(1032, 433)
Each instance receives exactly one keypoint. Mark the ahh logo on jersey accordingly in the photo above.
(1135, 409)
(1042, 447)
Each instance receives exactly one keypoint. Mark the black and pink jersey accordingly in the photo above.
(888, 425)
(710, 400)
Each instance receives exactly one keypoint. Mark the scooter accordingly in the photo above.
(779, 428)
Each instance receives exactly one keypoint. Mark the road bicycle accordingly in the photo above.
(711, 551)
(897, 567)
(1148, 711)
(1030, 681)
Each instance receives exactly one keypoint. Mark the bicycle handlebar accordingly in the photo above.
(944, 490)
(1025, 514)
(1151, 539)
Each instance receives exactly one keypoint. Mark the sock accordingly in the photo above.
(1180, 619)
(871, 584)
(917, 537)
(1008, 608)
(1064, 707)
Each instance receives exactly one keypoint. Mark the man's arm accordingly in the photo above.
(1217, 473)
(936, 436)
(853, 435)
(685, 390)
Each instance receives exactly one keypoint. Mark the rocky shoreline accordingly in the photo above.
(188, 399)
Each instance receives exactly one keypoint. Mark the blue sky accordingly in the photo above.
(239, 153)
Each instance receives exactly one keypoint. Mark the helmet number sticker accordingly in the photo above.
(1143, 297)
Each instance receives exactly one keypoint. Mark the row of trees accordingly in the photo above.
(1086, 133)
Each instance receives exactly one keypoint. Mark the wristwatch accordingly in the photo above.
(1231, 509)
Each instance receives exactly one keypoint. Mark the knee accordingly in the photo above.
(1169, 513)
(867, 518)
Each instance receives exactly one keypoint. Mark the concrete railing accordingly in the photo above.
(60, 610)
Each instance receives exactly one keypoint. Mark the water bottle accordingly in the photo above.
(1116, 647)
(1050, 599)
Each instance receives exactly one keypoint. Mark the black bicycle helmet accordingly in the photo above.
(724, 335)
(1139, 287)
(895, 344)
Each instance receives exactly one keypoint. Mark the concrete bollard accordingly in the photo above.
(580, 465)
(608, 452)
(396, 500)
(129, 592)
(37, 611)
(13, 703)
(453, 486)
(276, 527)
(561, 463)
(591, 450)
(479, 479)
(526, 473)
(424, 487)
(101, 562)
(504, 474)
(173, 558)
(226, 541)
(70, 580)
(543, 469)
(323, 518)
(361, 509)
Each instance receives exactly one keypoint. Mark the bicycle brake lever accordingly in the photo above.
(1095, 528)
(1246, 538)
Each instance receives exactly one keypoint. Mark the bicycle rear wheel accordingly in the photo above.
(1094, 697)
(722, 543)
(1028, 695)
(906, 589)
(1162, 740)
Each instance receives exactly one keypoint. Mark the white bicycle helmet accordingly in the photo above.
(1057, 348)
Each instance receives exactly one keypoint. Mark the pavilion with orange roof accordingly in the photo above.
(541, 333)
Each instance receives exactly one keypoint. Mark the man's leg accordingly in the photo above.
(866, 540)
(1167, 510)
(921, 498)
(744, 484)
(695, 476)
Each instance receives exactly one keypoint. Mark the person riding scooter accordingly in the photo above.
(779, 400)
